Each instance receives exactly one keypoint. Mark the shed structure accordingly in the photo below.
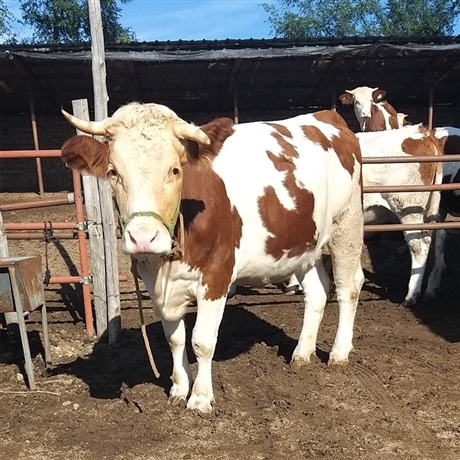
(243, 79)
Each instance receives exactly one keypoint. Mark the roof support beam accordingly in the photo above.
(232, 80)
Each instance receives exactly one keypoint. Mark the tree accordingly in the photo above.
(6, 20)
(348, 18)
(67, 21)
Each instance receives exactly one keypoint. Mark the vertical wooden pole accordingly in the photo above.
(430, 106)
(334, 99)
(235, 101)
(108, 220)
(10, 317)
(3, 241)
(95, 233)
(36, 145)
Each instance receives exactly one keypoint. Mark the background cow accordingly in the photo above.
(408, 207)
(259, 202)
(373, 116)
(373, 112)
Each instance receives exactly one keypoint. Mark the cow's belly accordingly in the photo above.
(260, 269)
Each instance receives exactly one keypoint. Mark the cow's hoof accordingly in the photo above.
(337, 359)
(411, 301)
(177, 400)
(178, 394)
(297, 363)
(199, 403)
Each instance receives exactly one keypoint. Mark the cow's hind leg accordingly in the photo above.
(181, 377)
(419, 247)
(315, 285)
(204, 338)
(345, 248)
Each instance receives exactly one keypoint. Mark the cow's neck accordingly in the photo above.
(166, 284)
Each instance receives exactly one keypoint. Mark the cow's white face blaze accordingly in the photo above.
(146, 177)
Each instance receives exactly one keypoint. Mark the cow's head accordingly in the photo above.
(362, 99)
(143, 154)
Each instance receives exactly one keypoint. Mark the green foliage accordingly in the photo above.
(6, 19)
(67, 21)
(361, 18)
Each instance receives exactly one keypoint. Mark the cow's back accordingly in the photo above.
(287, 181)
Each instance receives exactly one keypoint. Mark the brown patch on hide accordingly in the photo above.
(345, 145)
(288, 149)
(393, 119)
(283, 130)
(376, 122)
(293, 230)
(213, 229)
(314, 134)
(218, 131)
(84, 153)
(331, 117)
(426, 146)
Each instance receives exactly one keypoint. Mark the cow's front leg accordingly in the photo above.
(181, 377)
(204, 338)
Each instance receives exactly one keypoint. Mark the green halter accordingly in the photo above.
(170, 227)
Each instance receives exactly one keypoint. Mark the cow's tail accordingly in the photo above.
(432, 212)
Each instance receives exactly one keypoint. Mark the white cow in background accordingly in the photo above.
(409, 207)
(374, 114)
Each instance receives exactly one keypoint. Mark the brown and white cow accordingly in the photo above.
(365, 101)
(259, 202)
(373, 112)
(409, 207)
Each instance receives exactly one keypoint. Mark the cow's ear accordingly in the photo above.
(379, 95)
(86, 154)
(346, 98)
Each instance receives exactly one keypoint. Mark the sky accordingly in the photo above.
(188, 19)
(196, 20)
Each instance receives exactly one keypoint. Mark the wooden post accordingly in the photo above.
(10, 318)
(236, 116)
(95, 232)
(430, 106)
(36, 145)
(105, 194)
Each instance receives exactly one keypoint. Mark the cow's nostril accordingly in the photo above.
(131, 237)
(142, 239)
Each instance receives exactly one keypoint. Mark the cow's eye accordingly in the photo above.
(112, 174)
(175, 171)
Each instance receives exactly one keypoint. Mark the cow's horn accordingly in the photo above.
(187, 131)
(89, 127)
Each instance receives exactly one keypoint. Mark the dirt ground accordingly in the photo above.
(398, 398)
